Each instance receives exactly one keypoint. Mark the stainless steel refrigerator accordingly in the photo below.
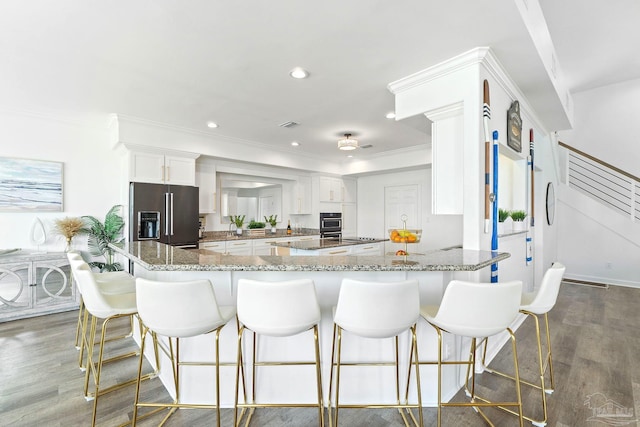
(166, 213)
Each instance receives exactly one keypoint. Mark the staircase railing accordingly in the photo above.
(604, 182)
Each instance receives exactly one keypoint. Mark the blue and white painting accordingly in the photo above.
(30, 185)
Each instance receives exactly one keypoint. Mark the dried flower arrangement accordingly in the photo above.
(69, 227)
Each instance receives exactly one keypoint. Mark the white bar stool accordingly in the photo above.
(476, 311)
(179, 310)
(376, 310)
(534, 305)
(276, 309)
(106, 307)
(112, 283)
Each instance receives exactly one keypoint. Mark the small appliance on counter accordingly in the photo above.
(166, 213)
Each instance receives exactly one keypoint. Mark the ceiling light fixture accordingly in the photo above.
(295, 143)
(391, 115)
(212, 125)
(299, 73)
(347, 143)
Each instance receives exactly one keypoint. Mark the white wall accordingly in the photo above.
(607, 125)
(596, 243)
(592, 242)
(91, 170)
(438, 231)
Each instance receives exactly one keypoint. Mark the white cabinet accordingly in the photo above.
(301, 200)
(160, 168)
(239, 247)
(265, 247)
(331, 189)
(349, 190)
(34, 285)
(231, 247)
(206, 182)
(349, 220)
(368, 249)
(212, 246)
(337, 251)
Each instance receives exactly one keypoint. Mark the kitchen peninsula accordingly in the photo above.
(433, 270)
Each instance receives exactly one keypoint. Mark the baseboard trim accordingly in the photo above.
(586, 283)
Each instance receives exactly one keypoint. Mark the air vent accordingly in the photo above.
(288, 124)
(366, 146)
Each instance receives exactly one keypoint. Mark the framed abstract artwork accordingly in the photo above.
(30, 185)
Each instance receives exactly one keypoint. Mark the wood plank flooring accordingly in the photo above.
(595, 334)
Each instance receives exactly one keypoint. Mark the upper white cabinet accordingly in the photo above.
(331, 189)
(349, 190)
(161, 168)
(206, 182)
(337, 189)
(301, 200)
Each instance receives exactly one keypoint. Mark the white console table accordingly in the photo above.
(34, 284)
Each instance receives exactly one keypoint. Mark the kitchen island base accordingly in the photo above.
(433, 272)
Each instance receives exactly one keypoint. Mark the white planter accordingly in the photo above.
(503, 228)
(273, 230)
(238, 231)
(519, 226)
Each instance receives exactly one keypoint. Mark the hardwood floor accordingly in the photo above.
(596, 343)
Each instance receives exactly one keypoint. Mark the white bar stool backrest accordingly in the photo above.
(179, 309)
(545, 299)
(278, 308)
(95, 301)
(478, 309)
(377, 309)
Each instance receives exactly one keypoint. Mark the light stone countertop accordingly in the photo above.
(156, 256)
(28, 255)
(221, 236)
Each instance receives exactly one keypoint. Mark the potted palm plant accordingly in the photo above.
(101, 234)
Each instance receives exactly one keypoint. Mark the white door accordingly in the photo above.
(402, 200)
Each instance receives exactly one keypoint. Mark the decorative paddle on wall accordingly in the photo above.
(486, 113)
(494, 199)
(529, 237)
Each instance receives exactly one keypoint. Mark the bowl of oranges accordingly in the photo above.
(404, 235)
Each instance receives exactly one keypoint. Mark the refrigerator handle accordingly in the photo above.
(167, 218)
(171, 196)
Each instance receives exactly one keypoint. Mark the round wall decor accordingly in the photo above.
(550, 203)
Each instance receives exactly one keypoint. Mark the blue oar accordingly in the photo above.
(494, 236)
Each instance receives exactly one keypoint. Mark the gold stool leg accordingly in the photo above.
(79, 326)
(549, 358)
(333, 350)
(318, 377)
(543, 362)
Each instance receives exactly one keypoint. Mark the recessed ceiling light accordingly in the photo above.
(295, 144)
(212, 125)
(391, 115)
(350, 156)
(299, 73)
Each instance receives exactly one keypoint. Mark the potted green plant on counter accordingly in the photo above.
(238, 220)
(518, 220)
(503, 215)
(272, 220)
(101, 234)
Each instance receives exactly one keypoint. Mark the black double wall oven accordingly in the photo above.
(330, 225)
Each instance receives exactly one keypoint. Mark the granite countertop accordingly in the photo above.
(221, 236)
(317, 244)
(160, 257)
